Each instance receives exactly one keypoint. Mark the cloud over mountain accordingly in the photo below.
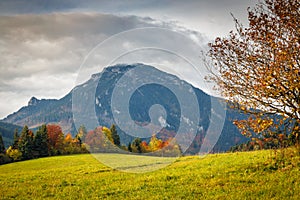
(41, 54)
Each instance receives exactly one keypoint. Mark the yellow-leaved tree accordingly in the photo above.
(257, 68)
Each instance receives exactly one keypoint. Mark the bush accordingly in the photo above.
(14, 154)
(4, 159)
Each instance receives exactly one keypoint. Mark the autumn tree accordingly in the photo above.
(108, 134)
(257, 68)
(56, 139)
(14, 154)
(145, 147)
(68, 138)
(96, 141)
(68, 144)
(155, 143)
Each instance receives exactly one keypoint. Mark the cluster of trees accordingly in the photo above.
(155, 146)
(103, 139)
(274, 141)
(48, 140)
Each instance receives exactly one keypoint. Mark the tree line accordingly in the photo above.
(49, 140)
(271, 141)
(103, 139)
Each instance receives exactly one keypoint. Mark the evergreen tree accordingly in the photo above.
(115, 136)
(2, 147)
(41, 142)
(129, 147)
(136, 145)
(78, 138)
(16, 139)
(25, 144)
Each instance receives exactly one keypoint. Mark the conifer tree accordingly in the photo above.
(41, 142)
(2, 147)
(25, 144)
(114, 134)
(129, 147)
(136, 145)
(16, 139)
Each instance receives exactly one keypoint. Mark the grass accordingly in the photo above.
(218, 176)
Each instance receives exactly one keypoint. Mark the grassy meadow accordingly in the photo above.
(247, 175)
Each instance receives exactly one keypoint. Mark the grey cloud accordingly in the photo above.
(59, 25)
(43, 6)
(43, 43)
(40, 54)
(54, 42)
(211, 17)
(34, 6)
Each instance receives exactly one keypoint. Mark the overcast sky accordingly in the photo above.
(44, 43)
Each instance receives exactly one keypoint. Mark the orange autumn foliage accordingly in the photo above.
(56, 136)
(257, 68)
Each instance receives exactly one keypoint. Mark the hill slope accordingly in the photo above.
(218, 176)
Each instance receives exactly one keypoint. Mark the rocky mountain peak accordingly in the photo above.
(33, 101)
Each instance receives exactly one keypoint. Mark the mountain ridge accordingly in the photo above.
(61, 111)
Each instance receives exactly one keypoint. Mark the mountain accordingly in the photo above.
(42, 111)
(136, 98)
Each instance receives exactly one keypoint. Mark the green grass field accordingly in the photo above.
(218, 176)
